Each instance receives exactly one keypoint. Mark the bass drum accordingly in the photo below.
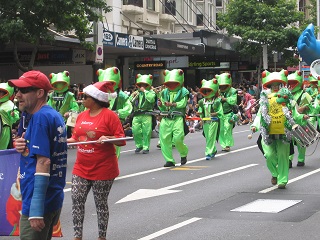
(305, 135)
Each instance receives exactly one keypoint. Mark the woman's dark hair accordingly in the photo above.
(101, 104)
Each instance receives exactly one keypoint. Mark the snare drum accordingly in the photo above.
(305, 135)
(71, 121)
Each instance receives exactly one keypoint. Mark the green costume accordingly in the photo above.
(143, 101)
(8, 116)
(312, 90)
(61, 99)
(120, 104)
(274, 120)
(228, 99)
(173, 104)
(210, 109)
(302, 99)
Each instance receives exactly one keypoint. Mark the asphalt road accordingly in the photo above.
(229, 197)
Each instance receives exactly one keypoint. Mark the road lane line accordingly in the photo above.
(292, 180)
(169, 229)
(163, 168)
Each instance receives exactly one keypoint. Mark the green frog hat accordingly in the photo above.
(209, 88)
(60, 81)
(173, 79)
(295, 81)
(313, 80)
(111, 75)
(269, 78)
(225, 81)
(4, 87)
(144, 79)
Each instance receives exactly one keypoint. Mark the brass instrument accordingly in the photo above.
(134, 95)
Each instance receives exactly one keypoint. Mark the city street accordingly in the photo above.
(229, 197)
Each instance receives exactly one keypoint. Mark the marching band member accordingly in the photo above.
(210, 108)
(303, 101)
(119, 101)
(8, 116)
(143, 101)
(228, 96)
(61, 99)
(275, 118)
(312, 90)
(173, 101)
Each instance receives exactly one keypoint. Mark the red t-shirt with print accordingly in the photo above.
(97, 161)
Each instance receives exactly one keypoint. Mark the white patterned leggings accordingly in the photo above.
(79, 192)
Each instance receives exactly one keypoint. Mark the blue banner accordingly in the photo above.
(10, 196)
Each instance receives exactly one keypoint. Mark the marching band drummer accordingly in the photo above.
(119, 102)
(303, 101)
(210, 106)
(275, 119)
(143, 101)
(173, 101)
(228, 96)
(61, 99)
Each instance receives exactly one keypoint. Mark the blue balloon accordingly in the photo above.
(308, 45)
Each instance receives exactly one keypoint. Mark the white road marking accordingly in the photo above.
(163, 168)
(148, 193)
(169, 229)
(292, 180)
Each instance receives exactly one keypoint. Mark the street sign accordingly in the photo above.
(99, 54)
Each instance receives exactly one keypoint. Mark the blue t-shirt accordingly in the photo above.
(46, 136)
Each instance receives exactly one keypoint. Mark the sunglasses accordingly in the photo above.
(86, 96)
(26, 90)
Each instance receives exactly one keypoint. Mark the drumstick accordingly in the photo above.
(107, 140)
(250, 135)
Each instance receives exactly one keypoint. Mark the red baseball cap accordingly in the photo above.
(32, 78)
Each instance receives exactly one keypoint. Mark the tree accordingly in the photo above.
(262, 22)
(31, 21)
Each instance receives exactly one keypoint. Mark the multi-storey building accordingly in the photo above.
(147, 36)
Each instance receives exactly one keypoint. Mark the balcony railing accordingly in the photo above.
(137, 3)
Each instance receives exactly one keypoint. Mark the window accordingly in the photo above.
(218, 3)
(138, 3)
(170, 7)
(151, 5)
(199, 19)
(189, 10)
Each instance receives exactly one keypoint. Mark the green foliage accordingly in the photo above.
(271, 22)
(29, 20)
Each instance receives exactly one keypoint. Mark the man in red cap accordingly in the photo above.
(43, 162)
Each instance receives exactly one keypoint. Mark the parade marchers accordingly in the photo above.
(284, 103)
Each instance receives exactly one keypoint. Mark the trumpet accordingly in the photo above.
(134, 95)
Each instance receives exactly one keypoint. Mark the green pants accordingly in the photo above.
(172, 131)
(225, 134)
(27, 233)
(141, 130)
(210, 130)
(277, 156)
(301, 154)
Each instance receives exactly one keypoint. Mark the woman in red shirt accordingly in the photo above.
(96, 164)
